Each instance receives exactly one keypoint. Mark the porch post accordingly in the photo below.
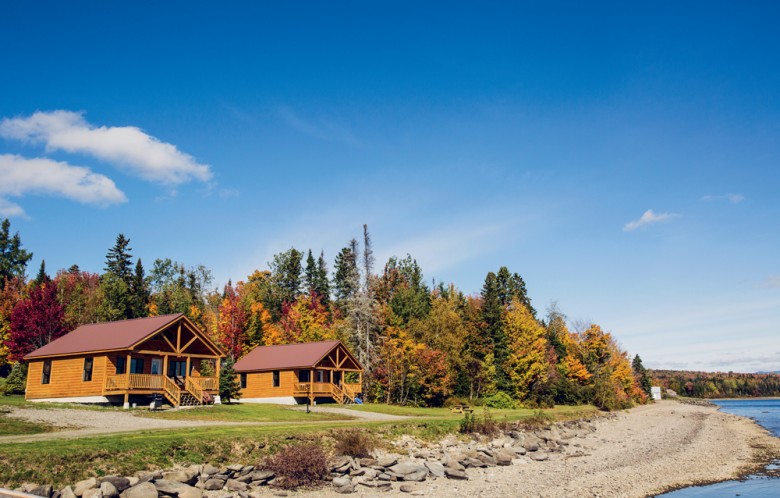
(331, 376)
(311, 386)
(187, 371)
(165, 365)
(218, 363)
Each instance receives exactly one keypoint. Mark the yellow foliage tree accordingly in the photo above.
(527, 362)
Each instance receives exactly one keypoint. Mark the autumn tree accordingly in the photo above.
(11, 294)
(36, 321)
(231, 325)
(13, 259)
(527, 363)
(80, 295)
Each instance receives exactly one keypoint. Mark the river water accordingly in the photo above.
(767, 413)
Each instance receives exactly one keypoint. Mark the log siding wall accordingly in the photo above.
(260, 384)
(66, 378)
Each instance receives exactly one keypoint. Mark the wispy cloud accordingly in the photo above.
(648, 218)
(127, 147)
(771, 282)
(321, 128)
(21, 176)
(732, 198)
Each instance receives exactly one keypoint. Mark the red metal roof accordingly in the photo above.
(303, 355)
(105, 336)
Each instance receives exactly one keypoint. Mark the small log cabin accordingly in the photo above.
(297, 373)
(116, 362)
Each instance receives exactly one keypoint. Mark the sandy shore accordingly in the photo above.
(642, 452)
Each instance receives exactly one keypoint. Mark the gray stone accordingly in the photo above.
(67, 492)
(236, 467)
(405, 468)
(487, 460)
(504, 458)
(235, 485)
(378, 485)
(177, 475)
(387, 460)
(435, 468)
(131, 481)
(213, 484)
(209, 470)
(141, 490)
(176, 488)
(341, 464)
(92, 493)
(416, 476)
(262, 475)
(539, 457)
(247, 478)
(409, 488)
(367, 462)
(474, 462)
(529, 446)
(119, 482)
(369, 473)
(108, 490)
(80, 487)
(455, 474)
(44, 491)
(343, 485)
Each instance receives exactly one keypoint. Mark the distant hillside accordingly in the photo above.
(718, 384)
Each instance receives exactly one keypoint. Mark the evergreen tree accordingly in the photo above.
(116, 299)
(13, 259)
(42, 277)
(322, 285)
(229, 386)
(139, 292)
(310, 274)
(16, 382)
(492, 315)
(346, 279)
(642, 378)
(119, 261)
(512, 286)
(286, 273)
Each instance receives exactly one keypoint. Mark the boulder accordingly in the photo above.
(131, 481)
(92, 493)
(416, 476)
(410, 488)
(44, 491)
(236, 485)
(246, 478)
(387, 460)
(378, 485)
(488, 460)
(539, 457)
(208, 470)
(343, 485)
(455, 474)
(80, 487)
(141, 490)
(236, 467)
(178, 476)
(367, 462)
(407, 468)
(262, 476)
(108, 490)
(119, 482)
(67, 492)
(436, 469)
(341, 464)
(213, 484)
(504, 458)
(176, 488)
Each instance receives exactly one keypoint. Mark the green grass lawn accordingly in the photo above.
(244, 412)
(14, 427)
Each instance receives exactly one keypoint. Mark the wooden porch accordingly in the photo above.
(191, 391)
(343, 393)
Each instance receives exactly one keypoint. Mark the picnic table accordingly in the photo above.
(461, 409)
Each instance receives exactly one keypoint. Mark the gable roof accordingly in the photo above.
(286, 356)
(106, 336)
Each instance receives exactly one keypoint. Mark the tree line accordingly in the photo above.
(419, 344)
(718, 384)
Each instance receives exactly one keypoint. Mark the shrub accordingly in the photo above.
(452, 401)
(355, 443)
(303, 464)
(500, 400)
(538, 419)
(473, 424)
(16, 382)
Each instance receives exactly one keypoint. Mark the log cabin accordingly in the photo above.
(128, 360)
(298, 373)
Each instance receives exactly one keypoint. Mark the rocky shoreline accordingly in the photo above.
(642, 452)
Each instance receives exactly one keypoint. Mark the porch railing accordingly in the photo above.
(206, 383)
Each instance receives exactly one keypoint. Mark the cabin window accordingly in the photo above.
(303, 376)
(87, 375)
(243, 381)
(121, 365)
(46, 377)
(320, 376)
(275, 374)
(137, 365)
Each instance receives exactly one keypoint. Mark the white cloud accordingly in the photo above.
(648, 218)
(322, 129)
(124, 146)
(732, 198)
(771, 282)
(21, 176)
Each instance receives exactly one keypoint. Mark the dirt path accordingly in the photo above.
(76, 423)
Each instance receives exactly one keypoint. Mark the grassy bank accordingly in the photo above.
(62, 462)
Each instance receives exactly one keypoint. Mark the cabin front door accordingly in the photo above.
(177, 368)
(156, 366)
(337, 378)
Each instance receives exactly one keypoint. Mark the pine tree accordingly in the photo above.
(139, 292)
(42, 277)
(322, 285)
(286, 273)
(492, 315)
(119, 261)
(310, 274)
(643, 379)
(13, 259)
(346, 277)
(229, 386)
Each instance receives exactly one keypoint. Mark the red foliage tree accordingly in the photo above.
(36, 321)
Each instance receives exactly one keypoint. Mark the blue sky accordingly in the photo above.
(624, 159)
